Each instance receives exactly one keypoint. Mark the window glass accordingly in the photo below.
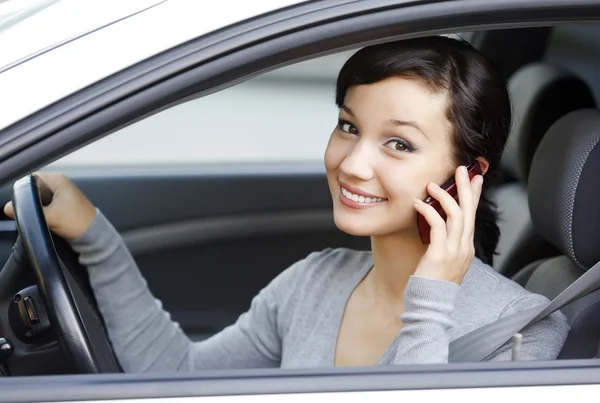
(282, 116)
(577, 49)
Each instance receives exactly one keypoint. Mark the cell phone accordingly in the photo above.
(450, 187)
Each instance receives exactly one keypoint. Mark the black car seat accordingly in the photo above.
(564, 202)
(540, 94)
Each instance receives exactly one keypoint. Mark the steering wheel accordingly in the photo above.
(62, 283)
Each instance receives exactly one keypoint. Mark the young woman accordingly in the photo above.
(411, 114)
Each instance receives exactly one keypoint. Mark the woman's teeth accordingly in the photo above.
(360, 199)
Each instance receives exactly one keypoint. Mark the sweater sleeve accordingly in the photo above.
(426, 320)
(143, 335)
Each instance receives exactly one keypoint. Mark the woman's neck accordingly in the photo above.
(395, 259)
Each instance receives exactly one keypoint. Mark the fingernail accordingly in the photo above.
(433, 185)
(419, 201)
(463, 170)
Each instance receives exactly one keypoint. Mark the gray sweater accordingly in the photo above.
(294, 321)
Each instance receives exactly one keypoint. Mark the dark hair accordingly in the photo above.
(479, 108)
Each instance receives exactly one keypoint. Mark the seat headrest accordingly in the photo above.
(540, 95)
(564, 187)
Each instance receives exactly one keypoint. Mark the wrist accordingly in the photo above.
(85, 218)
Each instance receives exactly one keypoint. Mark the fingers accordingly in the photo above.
(53, 180)
(455, 220)
(438, 233)
(459, 228)
(476, 186)
(9, 210)
(452, 248)
(467, 203)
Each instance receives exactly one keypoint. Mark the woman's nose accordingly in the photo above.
(359, 162)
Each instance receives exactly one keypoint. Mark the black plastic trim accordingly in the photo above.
(236, 53)
(214, 229)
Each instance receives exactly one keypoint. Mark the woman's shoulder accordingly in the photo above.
(487, 295)
(483, 276)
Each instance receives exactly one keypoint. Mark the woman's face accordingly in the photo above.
(393, 138)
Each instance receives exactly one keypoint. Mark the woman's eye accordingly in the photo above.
(347, 127)
(399, 145)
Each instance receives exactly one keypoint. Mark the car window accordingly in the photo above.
(248, 122)
(192, 232)
(577, 49)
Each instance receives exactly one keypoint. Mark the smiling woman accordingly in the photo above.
(412, 113)
(424, 134)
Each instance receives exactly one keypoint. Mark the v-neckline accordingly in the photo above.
(340, 310)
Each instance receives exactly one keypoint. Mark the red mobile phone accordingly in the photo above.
(450, 187)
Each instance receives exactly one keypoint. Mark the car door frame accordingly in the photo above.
(222, 59)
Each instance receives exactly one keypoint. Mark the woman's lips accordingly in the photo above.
(358, 191)
(359, 200)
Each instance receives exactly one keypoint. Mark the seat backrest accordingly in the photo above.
(541, 94)
(564, 202)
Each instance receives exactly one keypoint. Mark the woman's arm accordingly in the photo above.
(143, 335)
(426, 320)
(431, 291)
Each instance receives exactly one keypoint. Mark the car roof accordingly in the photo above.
(28, 27)
(91, 48)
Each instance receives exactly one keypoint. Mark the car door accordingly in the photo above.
(352, 25)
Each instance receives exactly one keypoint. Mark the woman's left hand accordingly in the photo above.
(451, 247)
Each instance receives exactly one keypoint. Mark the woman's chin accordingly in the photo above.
(366, 226)
(356, 227)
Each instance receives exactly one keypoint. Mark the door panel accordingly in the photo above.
(208, 239)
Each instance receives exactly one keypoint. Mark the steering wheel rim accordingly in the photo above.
(63, 296)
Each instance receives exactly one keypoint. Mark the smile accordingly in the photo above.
(355, 200)
(360, 199)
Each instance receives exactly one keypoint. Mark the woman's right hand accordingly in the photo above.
(70, 213)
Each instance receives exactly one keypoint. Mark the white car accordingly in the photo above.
(167, 113)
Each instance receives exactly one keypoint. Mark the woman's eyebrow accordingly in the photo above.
(348, 110)
(393, 122)
(396, 122)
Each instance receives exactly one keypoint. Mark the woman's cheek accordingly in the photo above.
(334, 153)
(329, 154)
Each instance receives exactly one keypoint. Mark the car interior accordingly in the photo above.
(205, 255)
(541, 94)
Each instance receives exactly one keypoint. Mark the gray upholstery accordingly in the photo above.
(550, 277)
(522, 277)
(564, 201)
(540, 94)
(519, 243)
(564, 187)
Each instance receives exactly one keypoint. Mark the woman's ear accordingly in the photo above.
(483, 164)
